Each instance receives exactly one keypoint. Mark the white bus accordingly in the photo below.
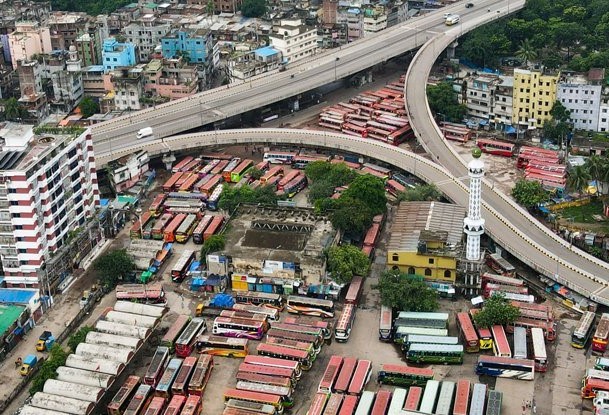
(279, 157)
(520, 343)
(429, 396)
(445, 400)
(310, 306)
(365, 403)
(539, 349)
(397, 401)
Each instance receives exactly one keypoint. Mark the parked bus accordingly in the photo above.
(222, 346)
(284, 392)
(246, 315)
(274, 362)
(261, 299)
(180, 269)
(200, 376)
(601, 335)
(152, 293)
(325, 326)
(361, 376)
(185, 229)
(416, 338)
(548, 327)
(142, 397)
(175, 405)
(602, 363)
(342, 331)
(279, 157)
(310, 306)
(400, 375)
(170, 184)
(297, 336)
(238, 327)
(287, 179)
(294, 344)
(365, 403)
(414, 398)
(120, 401)
(140, 225)
(281, 352)
(430, 394)
(271, 173)
(156, 207)
(302, 161)
(238, 172)
(385, 324)
(381, 402)
(478, 399)
(445, 398)
(398, 399)
(197, 234)
(237, 407)
(520, 343)
(349, 405)
(493, 404)
(461, 397)
(582, 333)
(394, 188)
(193, 405)
(157, 364)
(270, 313)
(311, 330)
(591, 386)
(355, 288)
(186, 342)
(539, 350)
(295, 186)
(402, 332)
(163, 388)
(334, 403)
(424, 320)
(160, 225)
(214, 227)
(506, 367)
(284, 382)
(170, 230)
(330, 374)
(344, 376)
(499, 148)
(277, 372)
(501, 347)
(318, 404)
(256, 397)
(484, 334)
(214, 198)
(435, 353)
(467, 333)
(180, 384)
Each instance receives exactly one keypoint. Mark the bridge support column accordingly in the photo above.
(450, 50)
(168, 160)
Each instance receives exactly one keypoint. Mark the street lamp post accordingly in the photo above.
(138, 211)
(335, 61)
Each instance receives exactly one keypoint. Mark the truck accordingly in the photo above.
(45, 341)
(144, 133)
(28, 364)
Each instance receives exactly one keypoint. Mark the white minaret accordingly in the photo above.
(473, 224)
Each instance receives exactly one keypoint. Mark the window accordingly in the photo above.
(431, 260)
(395, 257)
(427, 272)
(447, 274)
(411, 270)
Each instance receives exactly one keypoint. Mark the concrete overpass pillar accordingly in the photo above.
(168, 159)
(450, 50)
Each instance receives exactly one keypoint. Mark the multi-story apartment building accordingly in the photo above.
(48, 188)
(352, 17)
(502, 108)
(67, 82)
(294, 40)
(171, 78)
(128, 87)
(120, 18)
(330, 12)
(375, 19)
(146, 35)
(28, 39)
(582, 98)
(93, 81)
(603, 117)
(89, 48)
(480, 95)
(65, 28)
(227, 6)
(117, 55)
(33, 97)
(193, 46)
(534, 97)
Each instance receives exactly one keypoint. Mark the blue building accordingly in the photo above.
(116, 54)
(194, 47)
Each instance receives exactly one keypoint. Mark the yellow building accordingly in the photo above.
(534, 96)
(425, 239)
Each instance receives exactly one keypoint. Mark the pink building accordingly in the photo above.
(171, 78)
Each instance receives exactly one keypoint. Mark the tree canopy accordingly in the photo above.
(214, 243)
(529, 193)
(88, 106)
(406, 292)
(253, 8)
(421, 193)
(497, 310)
(57, 357)
(91, 7)
(233, 196)
(346, 261)
(78, 337)
(113, 266)
(443, 100)
(370, 191)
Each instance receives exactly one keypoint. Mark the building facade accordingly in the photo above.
(128, 87)
(171, 78)
(534, 97)
(48, 189)
(582, 99)
(294, 40)
(481, 95)
(502, 107)
(146, 35)
(194, 46)
(28, 39)
(89, 48)
(116, 54)
(375, 19)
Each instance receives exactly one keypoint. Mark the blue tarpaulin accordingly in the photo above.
(510, 130)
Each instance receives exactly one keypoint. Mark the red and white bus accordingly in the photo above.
(381, 402)
(263, 318)
(294, 344)
(492, 288)
(330, 374)
(270, 313)
(201, 374)
(120, 401)
(467, 333)
(239, 327)
(274, 362)
(170, 230)
(385, 324)
(170, 184)
(257, 397)
(394, 188)
(186, 342)
(287, 179)
(156, 207)
(152, 293)
(355, 288)
(218, 168)
(355, 130)
(318, 404)
(325, 327)
(160, 225)
(265, 379)
(284, 392)
(157, 365)
(414, 398)
(500, 265)
(272, 172)
(462, 397)
(180, 384)
(278, 372)
(180, 270)
(344, 376)
(361, 376)
(156, 406)
(189, 183)
(297, 336)
(342, 331)
(499, 148)
(193, 405)
(197, 234)
(599, 341)
(334, 403)
(281, 352)
(175, 405)
(501, 347)
(182, 163)
(488, 278)
(539, 350)
(142, 397)
(208, 188)
(310, 306)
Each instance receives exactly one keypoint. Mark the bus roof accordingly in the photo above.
(232, 393)
(191, 330)
(282, 350)
(407, 370)
(355, 287)
(360, 376)
(430, 347)
(602, 329)
(386, 317)
(423, 316)
(584, 324)
(266, 370)
(461, 397)
(418, 338)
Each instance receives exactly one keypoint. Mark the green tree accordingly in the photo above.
(337, 174)
(370, 190)
(214, 243)
(88, 106)
(526, 51)
(253, 8)
(406, 292)
(13, 110)
(232, 197)
(443, 100)
(320, 190)
(255, 173)
(560, 113)
(57, 357)
(497, 310)
(346, 261)
(351, 215)
(578, 178)
(78, 337)
(113, 267)
(529, 193)
(596, 166)
(425, 192)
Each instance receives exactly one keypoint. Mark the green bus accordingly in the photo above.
(435, 353)
(400, 375)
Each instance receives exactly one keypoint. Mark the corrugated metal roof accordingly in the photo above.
(16, 296)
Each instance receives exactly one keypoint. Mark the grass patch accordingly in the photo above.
(583, 214)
